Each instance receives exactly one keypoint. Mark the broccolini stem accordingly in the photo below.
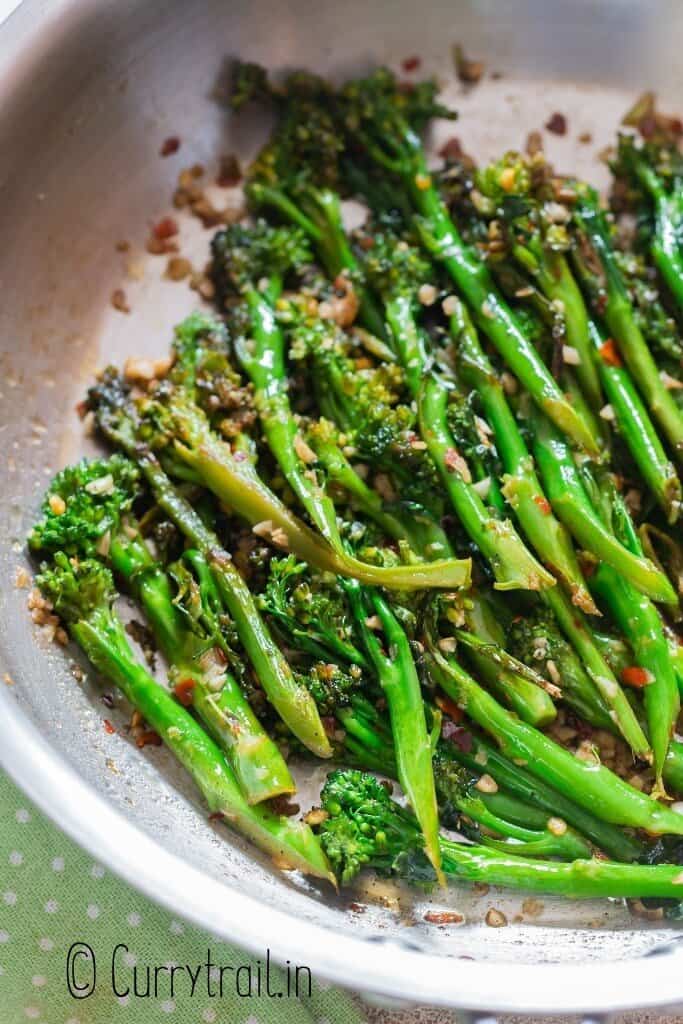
(401, 686)
(288, 841)
(237, 484)
(573, 506)
(665, 246)
(618, 314)
(514, 567)
(255, 759)
(292, 701)
(514, 779)
(522, 488)
(491, 313)
(593, 786)
(582, 879)
(577, 631)
(636, 427)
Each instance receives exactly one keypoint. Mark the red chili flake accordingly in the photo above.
(557, 124)
(170, 146)
(357, 908)
(108, 727)
(450, 708)
(610, 353)
(283, 805)
(216, 816)
(82, 409)
(457, 735)
(329, 724)
(452, 149)
(366, 242)
(443, 917)
(165, 228)
(183, 691)
(411, 63)
(636, 676)
(148, 738)
(229, 171)
(543, 504)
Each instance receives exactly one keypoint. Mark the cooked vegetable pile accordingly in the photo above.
(409, 501)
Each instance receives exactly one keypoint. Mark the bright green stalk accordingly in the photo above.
(619, 317)
(575, 628)
(400, 684)
(254, 757)
(491, 313)
(572, 505)
(101, 635)
(522, 488)
(237, 484)
(593, 786)
(666, 240)
(291, 700)
(513, 566)
(638, 430)
(513, 779)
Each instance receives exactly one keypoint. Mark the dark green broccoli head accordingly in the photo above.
(382, 112)
(248, 258)
(77, 589)
(83, 503)
(115, 411)
(395, 268)
(249, 82)
(332, 686)
(364, 826)
(509, 176)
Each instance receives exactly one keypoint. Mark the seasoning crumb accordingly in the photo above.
(443, 917)
(119, 300)
(7, 679)
(585, 138)
(481, 888)
(532, 907)
(22, 578)
(178, 268)
(557, 124)
(122, 246)
(170, 146)
(534, 143)
(229, 171)
(496, 918)
(468, 71)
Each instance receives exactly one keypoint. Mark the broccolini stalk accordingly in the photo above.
(374, 115)
(236, 483)
(503, 674)
(522, 488)
(460, 791)
(657, 169)
(640, 622)
(580, 636)
(118, 420)
(83, 595)
(513, 566)
(572, 505)
(96, 495)
(400, 684)
(476, 754)
(632, 418)
(594, 787)
(615, 306)
(365, 828)
(535, 638)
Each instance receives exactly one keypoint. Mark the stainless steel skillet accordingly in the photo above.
(88, 92)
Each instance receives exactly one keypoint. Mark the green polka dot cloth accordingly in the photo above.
(59, 910)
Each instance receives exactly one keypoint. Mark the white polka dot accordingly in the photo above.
(133, 920)
(123, 1000)
(58, 864)
(323, 985)
(254, 1020)
(10, 898)
(16, 858)
(38, 980)
(4, 936)
(2, 970)
(97, 871)
(214, 974)
(51, 907)
(73, 1020)
(130, 959)
(168, 1006)
(93, 911)
(32, 1012)
(22, 816)
(209, 1016)
(176, 928)
(46, 945)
